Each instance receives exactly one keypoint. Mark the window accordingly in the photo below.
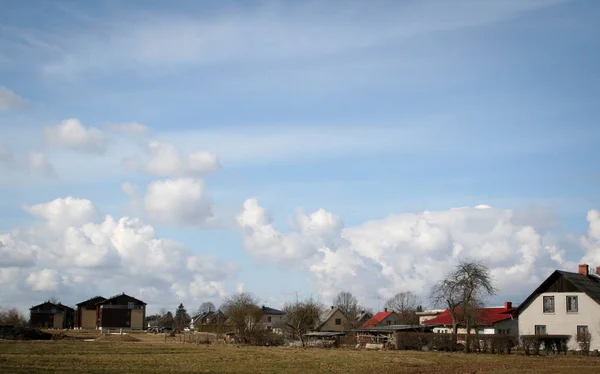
(540, 329)
(572, 306)
(582, 332)
(338, 321)
(504, 331)
(548, 304)
(269, 319)
(130, 305)
(388, 322)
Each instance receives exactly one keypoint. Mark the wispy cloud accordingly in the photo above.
(271, 33)
(10, 100)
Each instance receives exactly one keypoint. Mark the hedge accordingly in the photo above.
(532, 344)
(496, 343)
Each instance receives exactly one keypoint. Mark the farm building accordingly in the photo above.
(121, 312)
(51, 315)
(86, 316)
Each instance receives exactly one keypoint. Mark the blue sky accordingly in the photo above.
(363, 109)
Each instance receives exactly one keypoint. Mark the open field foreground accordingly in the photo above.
(150, 354)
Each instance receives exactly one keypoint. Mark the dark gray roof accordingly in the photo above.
(272, 311)
(588, 284)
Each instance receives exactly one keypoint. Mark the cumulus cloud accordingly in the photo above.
(165, 160)
(75, 252)
(71, 134)
(402, 251)
(10, 100)
(179, 201)
(591, 242)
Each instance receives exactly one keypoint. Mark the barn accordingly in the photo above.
(51, 315)
(121, 312)
(86, 316)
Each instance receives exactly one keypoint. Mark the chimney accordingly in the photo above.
(332, 307)
(385, 310)
(507, 305)
(584, 269)
(598, 270)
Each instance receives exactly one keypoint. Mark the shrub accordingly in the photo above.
(584, 341)
(550, 343)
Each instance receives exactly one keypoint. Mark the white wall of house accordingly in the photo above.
(509, 326)
(561, 321)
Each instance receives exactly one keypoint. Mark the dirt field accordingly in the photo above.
(150, 354)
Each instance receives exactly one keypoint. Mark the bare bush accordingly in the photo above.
(12, 317)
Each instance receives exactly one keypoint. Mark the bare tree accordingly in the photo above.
(301, 317)
(206, 307)
(405, 304)
(245, 315)
(12, 316)
(463, 291)
(349, 306)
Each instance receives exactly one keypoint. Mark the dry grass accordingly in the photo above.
(152, 355)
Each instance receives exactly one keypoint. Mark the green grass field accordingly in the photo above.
(152, 355)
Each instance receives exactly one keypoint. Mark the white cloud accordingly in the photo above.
(37, 162)
(164, 160)
(43, 280)
(403, 251)
(71, 134)
(592, 240)
(180, 201)
(10, 100)
(75, 253)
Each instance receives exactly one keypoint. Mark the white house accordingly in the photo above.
(565, 303)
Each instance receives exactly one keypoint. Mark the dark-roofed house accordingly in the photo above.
(207, 321)
(272, 318)
(565, 303)
(121, 312)
(51, 315)
(333, 320)
(86, 315)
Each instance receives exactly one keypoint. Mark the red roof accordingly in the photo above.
(377, 319)
(486, 316)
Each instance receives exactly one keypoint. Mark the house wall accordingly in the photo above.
(88, 319)
(509, 324)
(275, 320)
(561, 322)
(137, 319)
(41, 320)
(332, 327)
(58, 321)
(392, 319)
